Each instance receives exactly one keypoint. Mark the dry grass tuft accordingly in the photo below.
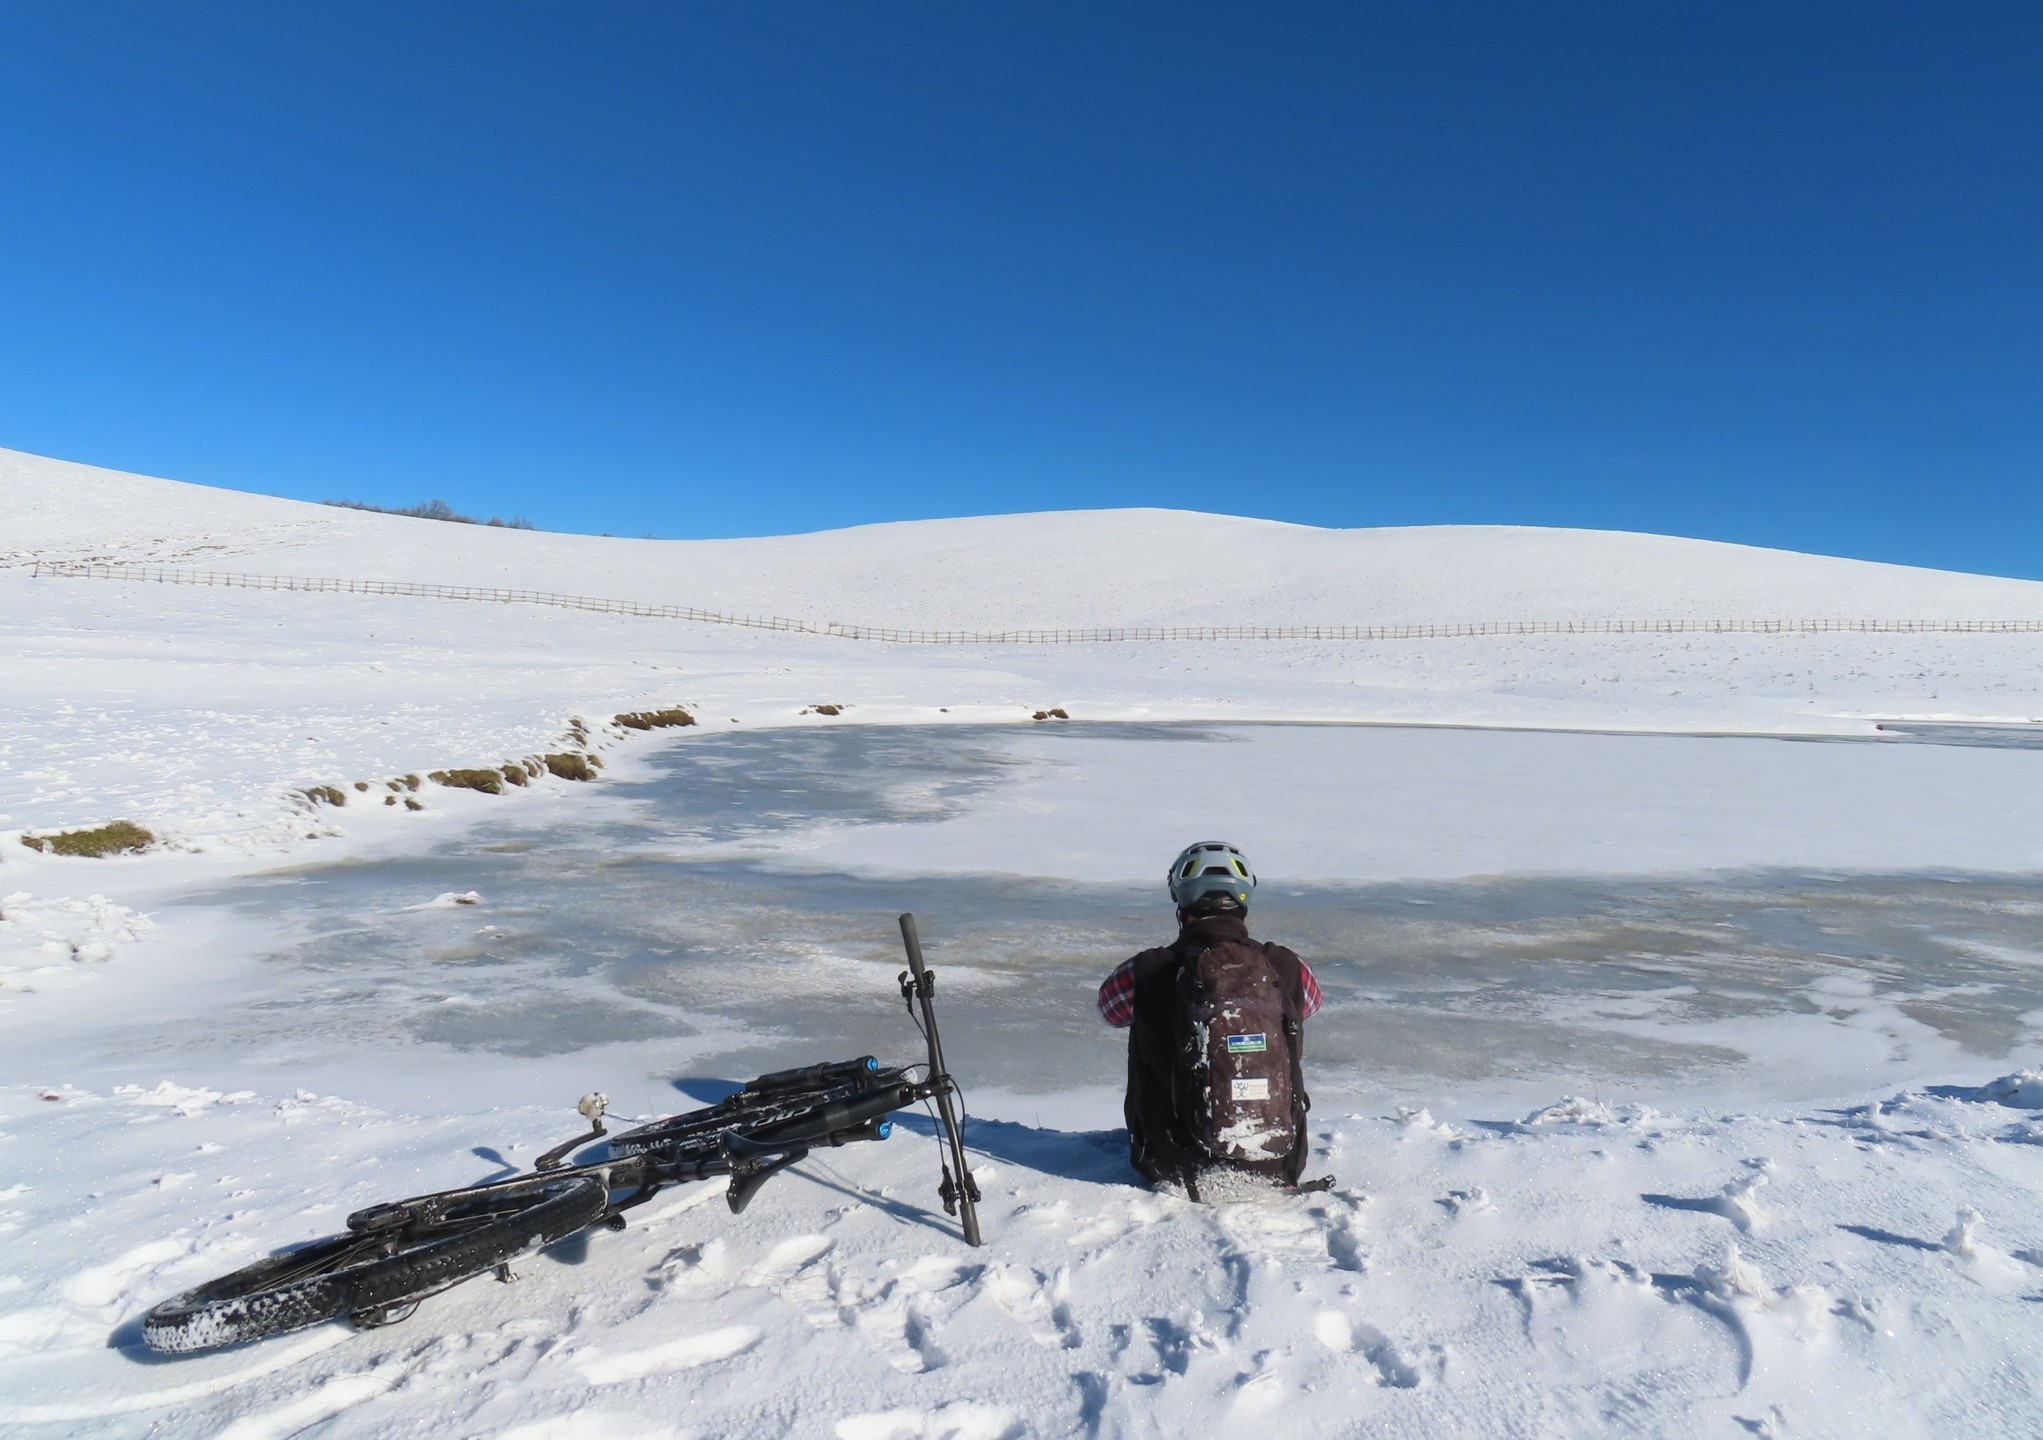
(515, 774)
(570, 766)
(114, 839)
(826, 709)
(411, 804)
(490, 782)
(361, 784)
(1055, 713)
(331, 794)
(656, 719)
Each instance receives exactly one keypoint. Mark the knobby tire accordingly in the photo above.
(369, 1273)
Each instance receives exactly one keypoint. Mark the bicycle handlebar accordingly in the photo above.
(828, 1073)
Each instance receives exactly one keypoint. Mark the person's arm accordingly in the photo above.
(1117, 996)
(1309, 990)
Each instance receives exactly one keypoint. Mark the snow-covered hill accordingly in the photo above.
(1068, 569)
(202, 713)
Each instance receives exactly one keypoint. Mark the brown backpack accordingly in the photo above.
(1236, 1079)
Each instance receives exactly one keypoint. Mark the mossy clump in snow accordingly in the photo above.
(117, 838)
(570, 766)
(490, 782)
(656, 719)
(331, 794)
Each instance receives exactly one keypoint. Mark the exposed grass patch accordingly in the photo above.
(436, 510)
(331, 794)
(1054, 713)
(490, 782)
(569, 766)
(114, 839)
(411, 804)
(656, 719)
(515, 774)
(826, 709)
(361, 784)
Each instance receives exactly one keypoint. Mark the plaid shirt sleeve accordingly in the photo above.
(1310, 987)
(1117, 996)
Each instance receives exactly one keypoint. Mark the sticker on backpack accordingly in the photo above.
(1251, 1090)
(1247, 1044)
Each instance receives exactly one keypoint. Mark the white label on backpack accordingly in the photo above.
(1251, 1089)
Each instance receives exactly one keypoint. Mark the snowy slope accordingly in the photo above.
(202, 712)
(1085, 568)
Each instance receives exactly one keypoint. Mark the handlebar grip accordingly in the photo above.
(825, 1074)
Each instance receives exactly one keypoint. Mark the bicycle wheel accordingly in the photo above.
(374, 1275)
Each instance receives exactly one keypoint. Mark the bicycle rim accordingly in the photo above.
(350, 1274)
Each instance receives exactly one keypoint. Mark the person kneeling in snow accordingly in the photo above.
(1215, 1026)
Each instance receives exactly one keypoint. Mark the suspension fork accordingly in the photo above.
(960, 1193)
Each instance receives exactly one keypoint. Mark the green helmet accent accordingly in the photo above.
(1211, 867)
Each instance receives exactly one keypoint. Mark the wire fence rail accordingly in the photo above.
(1460, 630)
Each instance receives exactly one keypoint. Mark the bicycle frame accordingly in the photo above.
(395, 1254)
(846, 1101)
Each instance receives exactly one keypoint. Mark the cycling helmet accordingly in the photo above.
(1212, 871)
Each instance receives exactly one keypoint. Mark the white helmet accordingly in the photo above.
(1211, 868)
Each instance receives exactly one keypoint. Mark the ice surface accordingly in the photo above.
(606, 928)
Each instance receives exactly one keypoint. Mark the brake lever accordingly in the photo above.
(592, 1106)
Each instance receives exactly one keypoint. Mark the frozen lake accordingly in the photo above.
(713, 920)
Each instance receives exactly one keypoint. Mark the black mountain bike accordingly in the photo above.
(397, 1254)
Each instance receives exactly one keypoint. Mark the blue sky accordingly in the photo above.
(1765, 272)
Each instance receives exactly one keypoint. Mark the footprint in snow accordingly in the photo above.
(1043, 1305)
(686, 1353)
(959, 1420)
(1112, 1224)
(1344, 1336)
(104, 1285)
(692, 1267)
(788, 1258)
(1273, 1229)
(902, 1314)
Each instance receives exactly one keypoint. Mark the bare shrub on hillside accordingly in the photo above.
(435, 510)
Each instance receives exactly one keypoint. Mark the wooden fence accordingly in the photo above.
(1462, 630)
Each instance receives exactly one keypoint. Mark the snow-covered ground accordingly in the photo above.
(1798, 980)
